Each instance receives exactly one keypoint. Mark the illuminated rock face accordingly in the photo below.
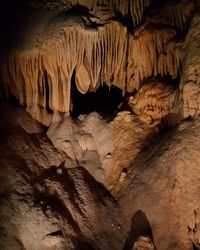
(39, 72)
(105, 149)
(101, 180)
(47, 200)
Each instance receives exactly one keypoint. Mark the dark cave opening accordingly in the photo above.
(167, 79)
(105, 100)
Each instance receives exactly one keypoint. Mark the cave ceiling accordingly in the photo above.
(127, 44)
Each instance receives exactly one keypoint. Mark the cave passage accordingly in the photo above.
(105, 100)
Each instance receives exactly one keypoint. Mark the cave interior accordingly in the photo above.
(99, 124)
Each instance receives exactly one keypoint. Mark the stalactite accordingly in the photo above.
(77, 50)
(181, 16)
(151, 52)
(136, 7)
(108, 54)
(177, 14)
(96, 56)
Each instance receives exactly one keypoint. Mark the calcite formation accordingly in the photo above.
(111, 54)
(121, 179)
(135, 8)
(154, 101)
(96, 57)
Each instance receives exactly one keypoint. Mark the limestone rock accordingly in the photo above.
(40, 72)
(44, 209)
(126, 179)
(164, 184)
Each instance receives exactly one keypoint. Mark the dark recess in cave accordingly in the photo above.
(105, 100)
(140, 226)
(13, 20)
(194, 247)
(49, 110)
(85, 246)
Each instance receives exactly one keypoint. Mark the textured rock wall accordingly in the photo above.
(100, 182)
(99, 43)
(163, 182)
(48, 202)
(105, 148)
(190, 78)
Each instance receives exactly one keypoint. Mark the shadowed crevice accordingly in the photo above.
(140, 226)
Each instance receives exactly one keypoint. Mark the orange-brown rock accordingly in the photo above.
(99, 135)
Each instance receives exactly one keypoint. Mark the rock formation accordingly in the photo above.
(39, 73)
(123, 173)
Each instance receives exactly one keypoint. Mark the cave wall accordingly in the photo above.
(123, 180)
